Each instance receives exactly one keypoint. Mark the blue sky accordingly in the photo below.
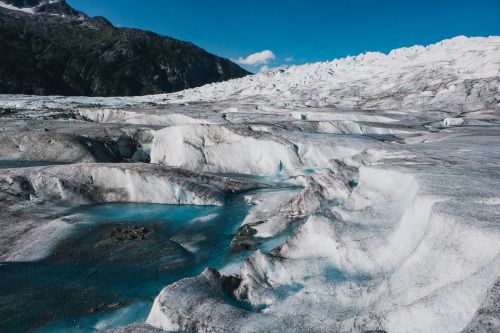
(298, 32)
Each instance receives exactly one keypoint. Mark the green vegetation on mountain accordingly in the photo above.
(58, 51)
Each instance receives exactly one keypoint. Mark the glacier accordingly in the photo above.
(361, 194)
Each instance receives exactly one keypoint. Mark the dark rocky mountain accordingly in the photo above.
(48, 48)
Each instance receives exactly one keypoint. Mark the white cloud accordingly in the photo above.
(289, 59)
(256, 58)
(266, 68)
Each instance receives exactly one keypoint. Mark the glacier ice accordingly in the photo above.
(453, 122)
(377, 182)
(98, 183)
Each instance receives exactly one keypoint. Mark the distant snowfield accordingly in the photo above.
(391, 222)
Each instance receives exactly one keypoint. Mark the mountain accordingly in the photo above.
(48, 48)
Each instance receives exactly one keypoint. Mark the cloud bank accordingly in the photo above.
(256, 58)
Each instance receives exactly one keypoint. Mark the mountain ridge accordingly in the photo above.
(48, 48)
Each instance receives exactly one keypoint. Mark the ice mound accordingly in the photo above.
(371, 263)
(96, 183)
(453, 122)
(40, 146)
(130, 117)
(217, 148)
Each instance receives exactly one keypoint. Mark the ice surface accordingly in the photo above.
(453, 122)
(381, 200)
(384, 240)
(98, 183)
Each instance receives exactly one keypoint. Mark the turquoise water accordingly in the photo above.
(108, 272)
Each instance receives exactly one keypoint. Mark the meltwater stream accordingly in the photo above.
(109, 270)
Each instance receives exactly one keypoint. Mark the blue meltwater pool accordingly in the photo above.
(108, 271)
